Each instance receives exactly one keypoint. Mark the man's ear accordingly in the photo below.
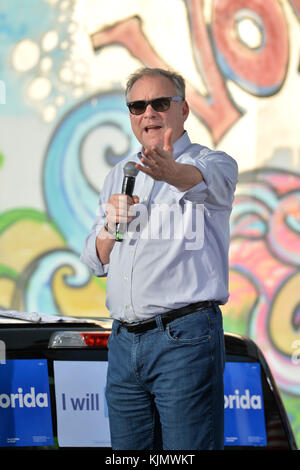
(185, 110)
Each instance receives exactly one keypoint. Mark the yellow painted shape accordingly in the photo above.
(25, 240)
(85, 301)
(283, 330)
(7, 287)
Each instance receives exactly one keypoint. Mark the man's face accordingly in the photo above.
(150, 127)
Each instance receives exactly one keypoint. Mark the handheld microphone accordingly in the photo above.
(130, 172)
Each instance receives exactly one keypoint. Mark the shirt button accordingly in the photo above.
(126, 278)
(146, 198)
(127, 307)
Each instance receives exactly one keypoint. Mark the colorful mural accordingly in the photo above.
(64, 124)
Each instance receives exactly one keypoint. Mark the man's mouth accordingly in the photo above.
(151, 128)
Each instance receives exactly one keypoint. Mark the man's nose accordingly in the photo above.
(149, 110)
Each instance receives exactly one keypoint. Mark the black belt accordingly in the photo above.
(166, 318)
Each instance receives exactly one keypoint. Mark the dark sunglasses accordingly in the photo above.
(158, 104)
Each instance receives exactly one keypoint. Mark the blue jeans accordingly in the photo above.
(165, 386)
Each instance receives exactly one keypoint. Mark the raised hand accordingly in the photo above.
(159, 162)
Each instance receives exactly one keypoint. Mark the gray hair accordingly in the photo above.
(175, 78)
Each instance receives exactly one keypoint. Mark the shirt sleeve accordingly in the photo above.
(89, 255)
(220, 175)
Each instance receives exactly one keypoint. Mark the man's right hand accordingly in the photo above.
(118, 209)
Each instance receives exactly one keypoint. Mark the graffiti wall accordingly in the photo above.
(64, 124)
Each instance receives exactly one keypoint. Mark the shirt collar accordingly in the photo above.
(178, 147)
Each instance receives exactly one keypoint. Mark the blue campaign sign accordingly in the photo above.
(243, 405)
(25, 411)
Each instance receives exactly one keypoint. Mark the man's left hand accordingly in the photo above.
(159, 163)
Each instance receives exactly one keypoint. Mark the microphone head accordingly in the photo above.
(130, 169)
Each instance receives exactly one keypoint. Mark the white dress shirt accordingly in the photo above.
(176, 249)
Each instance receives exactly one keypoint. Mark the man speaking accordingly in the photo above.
(166, 275)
